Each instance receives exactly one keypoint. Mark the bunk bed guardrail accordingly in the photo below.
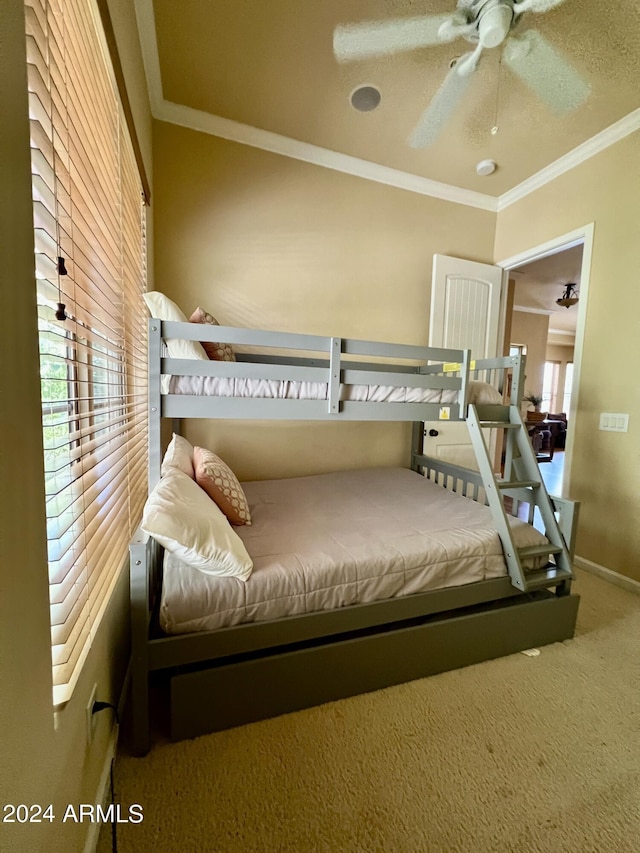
(331, 361)
(395, 365)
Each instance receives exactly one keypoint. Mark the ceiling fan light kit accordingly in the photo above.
(494, 23)
(487, 24)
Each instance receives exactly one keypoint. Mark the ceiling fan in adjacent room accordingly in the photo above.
(486, 24)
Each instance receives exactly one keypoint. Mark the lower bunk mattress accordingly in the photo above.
(334, 540)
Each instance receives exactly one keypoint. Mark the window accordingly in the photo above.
(517, 349)
(550, 386)
(90, 257)
(568, 383)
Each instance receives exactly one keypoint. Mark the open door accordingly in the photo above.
(465, 314)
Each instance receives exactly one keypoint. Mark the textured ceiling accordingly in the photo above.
(270, 65)
(540, 283)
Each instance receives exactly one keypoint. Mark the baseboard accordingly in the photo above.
(609, 575)
(103, 792)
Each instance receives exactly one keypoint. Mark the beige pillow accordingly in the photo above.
(215, 351)
(483, 394)
(179, 454)
(180, 516)
(221, 484)
(163, 308)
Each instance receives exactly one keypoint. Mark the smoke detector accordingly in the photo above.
(486, 167)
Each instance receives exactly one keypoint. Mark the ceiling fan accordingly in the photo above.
(486, 24)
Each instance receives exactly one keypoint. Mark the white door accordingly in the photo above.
(465, 314)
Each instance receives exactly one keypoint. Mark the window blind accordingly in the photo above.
(90, 257)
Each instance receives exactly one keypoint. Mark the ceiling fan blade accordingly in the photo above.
(546, 72)
(380, 38)
(535, 5)
(441, 107)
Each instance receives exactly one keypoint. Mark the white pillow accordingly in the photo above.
(163, 308)
(187, 523)
(179, 455)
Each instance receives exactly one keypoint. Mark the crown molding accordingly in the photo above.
(528, 310)
(564, 332)
(287, 147)
(255, 137)
(607, 137)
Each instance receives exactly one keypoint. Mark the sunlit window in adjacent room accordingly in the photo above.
(550, 385)
(568, 384)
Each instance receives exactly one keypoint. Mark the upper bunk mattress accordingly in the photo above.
(332, 540)
(215, 386)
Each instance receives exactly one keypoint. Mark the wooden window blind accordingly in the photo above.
(90, 257)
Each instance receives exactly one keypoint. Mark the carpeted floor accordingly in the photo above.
(519, 754)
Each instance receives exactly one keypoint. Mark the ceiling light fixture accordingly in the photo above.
(569, 296)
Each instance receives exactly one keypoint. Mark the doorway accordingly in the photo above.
(574, 249)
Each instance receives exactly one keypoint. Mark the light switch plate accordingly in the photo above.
(614, 422)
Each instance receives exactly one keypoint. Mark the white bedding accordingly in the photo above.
(214, 386)
(333, 540)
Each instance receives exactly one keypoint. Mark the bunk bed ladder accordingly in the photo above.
(521, 481)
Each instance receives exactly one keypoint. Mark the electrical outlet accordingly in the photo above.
(92, 719)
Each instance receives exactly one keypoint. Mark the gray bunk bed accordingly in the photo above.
(239, 673)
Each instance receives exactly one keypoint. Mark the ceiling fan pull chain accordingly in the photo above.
(496, 113)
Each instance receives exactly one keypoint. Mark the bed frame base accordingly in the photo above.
(241, 690)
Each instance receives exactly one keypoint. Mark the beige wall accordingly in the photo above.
(42, 760)
(265, 241)
(531, 330)
(606, 466)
